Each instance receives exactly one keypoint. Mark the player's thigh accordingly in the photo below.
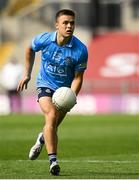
(49, 109)
(46, 105)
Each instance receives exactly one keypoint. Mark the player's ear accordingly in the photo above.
(56, 25)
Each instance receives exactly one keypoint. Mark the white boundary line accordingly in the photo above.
(81, 161)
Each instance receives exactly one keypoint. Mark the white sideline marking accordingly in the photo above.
(85, 161)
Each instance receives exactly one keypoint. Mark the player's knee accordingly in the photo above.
(53, 114)
(51, 118)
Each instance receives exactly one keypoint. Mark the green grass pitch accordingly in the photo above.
(90, 147)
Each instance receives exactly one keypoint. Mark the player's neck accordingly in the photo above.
(61, 41)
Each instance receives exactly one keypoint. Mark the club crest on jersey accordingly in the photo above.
(68, 60)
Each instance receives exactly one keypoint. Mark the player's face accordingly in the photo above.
(65, 25)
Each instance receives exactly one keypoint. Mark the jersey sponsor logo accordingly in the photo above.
(57, 70)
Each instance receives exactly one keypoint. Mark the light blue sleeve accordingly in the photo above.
(82, 65)
(39, 41)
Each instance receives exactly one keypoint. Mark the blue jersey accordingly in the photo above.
(59, 63)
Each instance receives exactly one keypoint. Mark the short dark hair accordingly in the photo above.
(64, 12)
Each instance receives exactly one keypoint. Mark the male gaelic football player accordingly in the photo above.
(63, 62)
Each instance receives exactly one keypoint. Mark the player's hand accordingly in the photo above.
(23, 83)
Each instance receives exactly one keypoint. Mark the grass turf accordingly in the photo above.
(90, 147)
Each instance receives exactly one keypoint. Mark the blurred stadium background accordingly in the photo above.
(109, 28)
(102, 144)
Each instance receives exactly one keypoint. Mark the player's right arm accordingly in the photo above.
(37, 44)
(30, 56)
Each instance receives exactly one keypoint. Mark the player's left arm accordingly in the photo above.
(77, 82)
(79, 71)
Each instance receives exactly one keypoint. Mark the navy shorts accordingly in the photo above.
(44, 91)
